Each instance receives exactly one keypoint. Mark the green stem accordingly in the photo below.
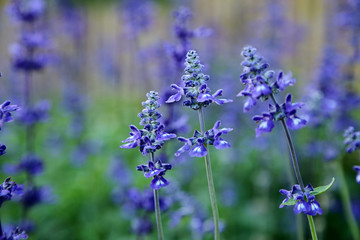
(210, 181)
(345, 198)
(157, 209)
(312, 227)
(295, 165)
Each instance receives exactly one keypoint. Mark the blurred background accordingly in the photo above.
(98, 59)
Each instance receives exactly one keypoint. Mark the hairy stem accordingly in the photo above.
(157, 209)
(345, 198)
(210, 181)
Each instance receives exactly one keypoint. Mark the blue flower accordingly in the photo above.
(352, 139)
(357, 169)
(310, 206)
(199, 149)
(213, 136)
(5, 112)
(8, 189)
(284, 81)
(266, 123)
(156, 170)
(195, 88)
(2, 149)
(293, 121)
(152, 137)
(15, 234)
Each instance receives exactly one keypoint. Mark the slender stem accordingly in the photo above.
(296, 168)
(157, 209)
(312, 227)
(210, 181)
(345, 198)
(293, 155)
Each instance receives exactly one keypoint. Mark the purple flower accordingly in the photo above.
(301, 205)
(213, 136)
(5, 112)
(310, 207)
(199, 149)
(157, 171)
(152, 137)
(314, 206)
(177, 96)
(8, 189)
(289, 194)
(38, 113)
(134, 139)
(27, 11)
(30, 164)
(185, 148)
(195, 85)
(2, 149)
(266, 123)
(357, 169)
(293, 121)
(284, 81)
(15, 234)
(352, 139)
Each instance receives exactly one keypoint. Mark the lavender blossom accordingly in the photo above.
(305, 201)
(199, 96)
(9, 189)
(183, 34)
(196, 89)
(352, 140)
(261, 85)
(357, 169)
(5, 112)
(15, 234)
(152, 137)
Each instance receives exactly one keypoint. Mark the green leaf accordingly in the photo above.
(289, 202)
(322, 189)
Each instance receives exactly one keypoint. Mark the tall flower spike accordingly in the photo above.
(199, 96)
(152, 137)
(195, 82)
(261, 84)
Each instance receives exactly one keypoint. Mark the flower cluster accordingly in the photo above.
(352, 139)
(26, 56)
(196, 89)
(156, 170)
(152, 137)
(352, 143)
(36, 114)
(196, 144)
(15, 234)
(8, 189)
(261, 84)
(182, 17)
(305, 201)
(5, 112)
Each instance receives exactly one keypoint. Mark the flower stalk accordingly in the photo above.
(210, 181)
(157, 208)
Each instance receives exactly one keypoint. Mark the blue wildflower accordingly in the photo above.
(196, 144)
(157, 171)
(305, 201)
(352, 139)
(260, 83)
(15, 234)
(196, 89)
(5, 112)
(357, 169)
(152, 137)
(8, 189)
